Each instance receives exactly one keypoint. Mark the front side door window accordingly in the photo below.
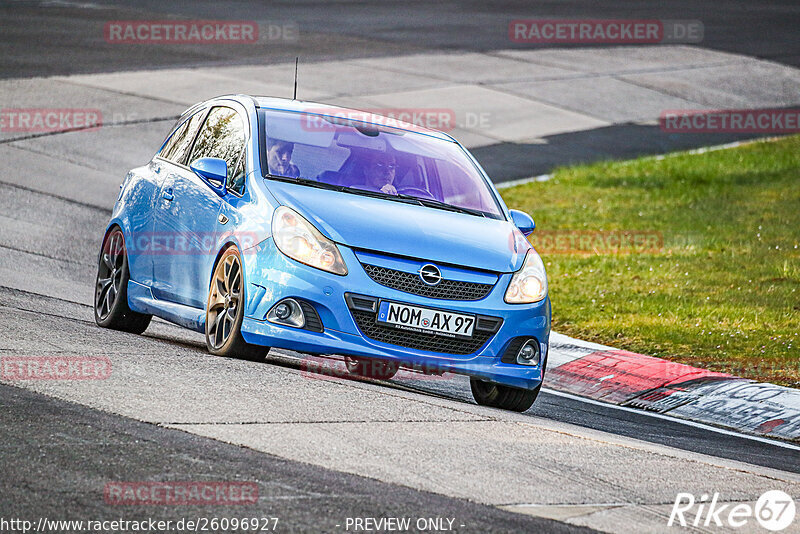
(222, 136)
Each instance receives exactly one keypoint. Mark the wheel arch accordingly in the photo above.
(229, 243)
(115, 222)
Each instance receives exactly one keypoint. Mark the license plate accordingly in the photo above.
(425, 319)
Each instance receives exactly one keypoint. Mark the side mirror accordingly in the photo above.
(523, 221)
(214, 172)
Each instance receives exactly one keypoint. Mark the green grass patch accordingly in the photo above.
(720, 290)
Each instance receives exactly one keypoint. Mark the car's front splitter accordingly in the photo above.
(487, 367)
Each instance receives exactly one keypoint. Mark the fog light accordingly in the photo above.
(282, 311)
(287, 312)
(529, 353)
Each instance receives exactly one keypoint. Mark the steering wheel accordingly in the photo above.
(417, 192)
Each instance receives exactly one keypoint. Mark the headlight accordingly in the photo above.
(529, 284)
(298, 239)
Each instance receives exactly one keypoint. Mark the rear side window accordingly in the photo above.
(222, 136)
(178, 145)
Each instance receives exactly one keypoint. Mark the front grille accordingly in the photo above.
(364, 310)
(416, 340)
(411, 283)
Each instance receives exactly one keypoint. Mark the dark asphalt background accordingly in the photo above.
(56, 456)
(58, 39)
(44, 38)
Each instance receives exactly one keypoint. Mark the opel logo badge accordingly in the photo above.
(430, 274)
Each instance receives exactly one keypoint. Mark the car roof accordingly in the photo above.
(284, 104)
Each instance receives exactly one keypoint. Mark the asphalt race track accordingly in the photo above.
(61, 39)
(322, 449)
(766, 30)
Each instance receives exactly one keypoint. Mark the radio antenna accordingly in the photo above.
(296, 61)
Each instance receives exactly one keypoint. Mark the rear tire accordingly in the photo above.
(503, 397)
(371, 368)
(111, 288)
(225, 311)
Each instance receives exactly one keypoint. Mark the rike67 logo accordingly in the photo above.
(774, 511)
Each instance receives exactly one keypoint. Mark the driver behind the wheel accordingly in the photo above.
(380, 171)
(279, 158)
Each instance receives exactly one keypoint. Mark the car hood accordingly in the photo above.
(406, 229)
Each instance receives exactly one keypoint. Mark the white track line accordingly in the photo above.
(521, 181)
(686, 422)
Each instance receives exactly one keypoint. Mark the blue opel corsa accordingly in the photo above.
(266, 222)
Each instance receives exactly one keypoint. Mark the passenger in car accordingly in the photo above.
(279, 158)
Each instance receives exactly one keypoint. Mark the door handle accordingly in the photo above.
(167, 195)
(222, 219)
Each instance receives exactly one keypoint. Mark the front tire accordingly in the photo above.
(111, 288)
(503, 397)
(225, 311)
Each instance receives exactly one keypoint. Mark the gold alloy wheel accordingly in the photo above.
(224, 300)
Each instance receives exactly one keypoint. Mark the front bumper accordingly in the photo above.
(271, 276)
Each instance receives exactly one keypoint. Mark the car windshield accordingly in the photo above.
(375, 160)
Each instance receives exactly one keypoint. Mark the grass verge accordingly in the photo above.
(694, 257)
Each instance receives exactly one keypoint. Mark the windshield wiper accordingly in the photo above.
(433, 203)
(305, 181)
(345, 189)
(400, 197)
(407, 199)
